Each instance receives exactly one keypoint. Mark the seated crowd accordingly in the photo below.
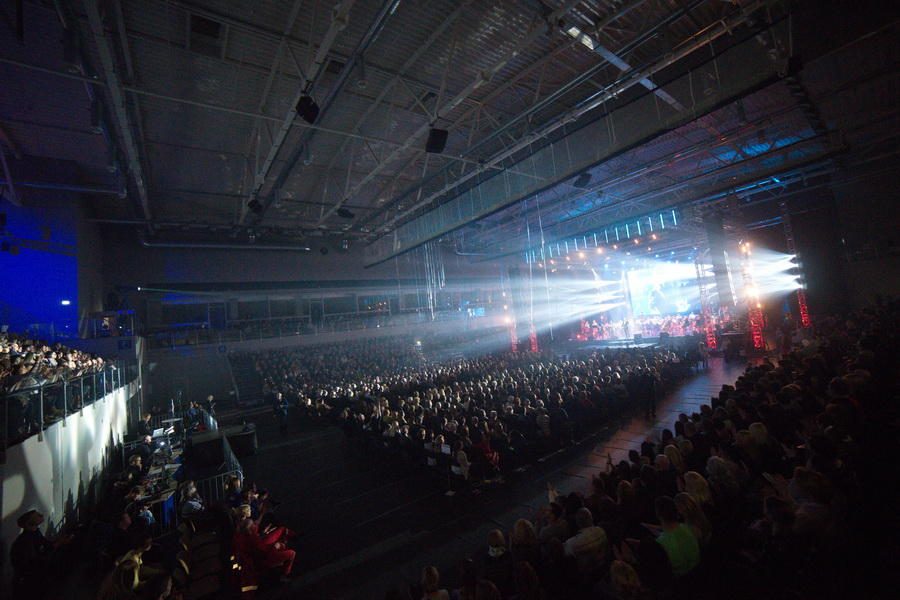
(132, 550)
(768, 489)
(481, 415)
(26, 363)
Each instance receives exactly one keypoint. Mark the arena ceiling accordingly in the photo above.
(564, 116)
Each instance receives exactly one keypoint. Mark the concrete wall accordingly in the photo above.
(40, 269)
(57, 254)
(61, 472)
(90, 270)
(867, 214)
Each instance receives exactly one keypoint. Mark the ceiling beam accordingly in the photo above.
(539, 27)
(292, 42)
(119, 106)
(398, 78)
(339, 18)
(472, 113)
(557, 94)
(613, 90)
(218, 108)
(387, 10)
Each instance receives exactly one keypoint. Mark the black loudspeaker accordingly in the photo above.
(437, 140)
(242, 440)
(207, 449)
(308, 109)
(255, 207)
(582, 181)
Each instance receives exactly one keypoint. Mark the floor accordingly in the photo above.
(367, 523)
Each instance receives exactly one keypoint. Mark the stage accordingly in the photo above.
(640, 342)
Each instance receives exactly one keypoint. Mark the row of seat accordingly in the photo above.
(202, 565)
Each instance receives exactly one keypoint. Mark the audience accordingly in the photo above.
(760, 490)
(27, 364)
(477, 416)
(768, 486)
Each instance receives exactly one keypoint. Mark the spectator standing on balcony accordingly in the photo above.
(144, 427)
(280, 406)
(193, 414)
(211, 405)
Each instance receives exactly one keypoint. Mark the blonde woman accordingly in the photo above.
(698, 488)
(676, 460)
(694, 517)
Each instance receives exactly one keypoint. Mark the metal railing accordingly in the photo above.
(29, 411)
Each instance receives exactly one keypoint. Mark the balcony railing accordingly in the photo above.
(240, 331)
(28, 411)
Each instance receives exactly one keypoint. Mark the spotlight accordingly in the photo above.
(307, 109)
(637, 241)
(599, 250)
(581, 255)
(615, 246)
(65, 302)
(653, 236)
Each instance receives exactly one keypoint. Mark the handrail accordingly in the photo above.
(275, 328)
(31, 410)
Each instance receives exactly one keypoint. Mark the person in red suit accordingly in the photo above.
(259, 553)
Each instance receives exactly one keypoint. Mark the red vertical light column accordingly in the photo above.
(513, 337)
(708, 325)
(532, 338)
(804, 309)
(756, 327)
(792, 248)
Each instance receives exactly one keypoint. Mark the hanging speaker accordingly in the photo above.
(582, 181)
(437, 140)
(308, 109)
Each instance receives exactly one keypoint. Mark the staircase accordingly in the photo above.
(248, 382)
